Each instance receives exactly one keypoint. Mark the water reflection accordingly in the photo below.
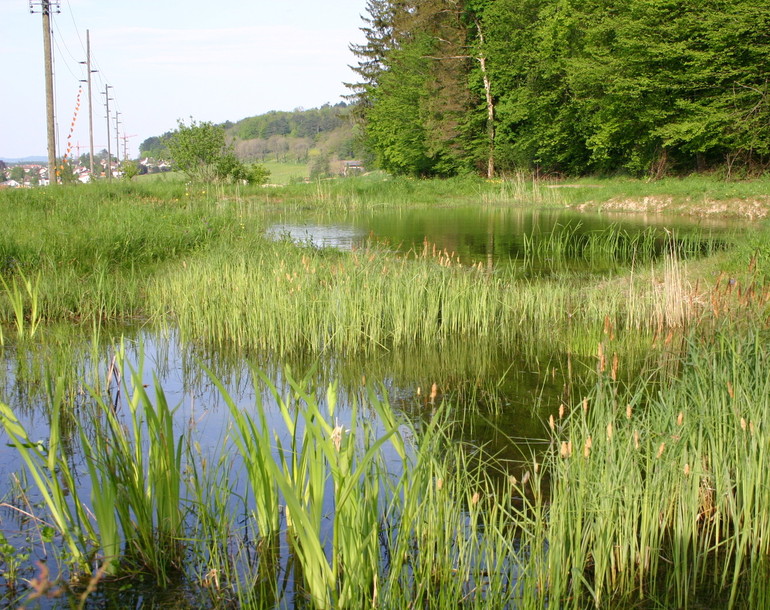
(491, 236)
(340, 236)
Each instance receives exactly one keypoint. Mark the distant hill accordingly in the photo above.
(25, 160)
(317, 137)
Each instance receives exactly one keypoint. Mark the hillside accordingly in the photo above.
(317, 137)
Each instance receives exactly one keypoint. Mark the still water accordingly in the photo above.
(473, 234)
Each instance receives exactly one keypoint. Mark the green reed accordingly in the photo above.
(282, 298)
(661, 495)
(642, 495)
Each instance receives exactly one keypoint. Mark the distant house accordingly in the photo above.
(352, 167)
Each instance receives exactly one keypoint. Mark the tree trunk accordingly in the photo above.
(490, 106)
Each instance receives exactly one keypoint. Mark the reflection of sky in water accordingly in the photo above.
(342, 237)
(199, 410)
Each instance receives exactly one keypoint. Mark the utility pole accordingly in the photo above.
(117, 136)
(90, 102)
(125, 139)
(109, 152)
(46, 7)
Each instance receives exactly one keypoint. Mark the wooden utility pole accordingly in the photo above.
(125, 139)
(90, 100)
(46, 7)
(117, 137)
(109, 152)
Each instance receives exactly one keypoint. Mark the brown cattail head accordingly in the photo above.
(602, 359)
(680, 419)
(629, 411)
(661, 449)
(587, 447)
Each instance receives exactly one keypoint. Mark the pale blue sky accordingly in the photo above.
(213, 61)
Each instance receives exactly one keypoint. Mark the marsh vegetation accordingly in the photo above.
(224, 417)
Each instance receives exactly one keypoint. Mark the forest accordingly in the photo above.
(565, 87)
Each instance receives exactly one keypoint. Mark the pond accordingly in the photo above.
(498, 395)
(492, 236)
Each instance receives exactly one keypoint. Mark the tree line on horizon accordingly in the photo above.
(570, 87)
(283, 136)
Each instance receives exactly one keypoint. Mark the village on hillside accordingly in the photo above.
(27, 175)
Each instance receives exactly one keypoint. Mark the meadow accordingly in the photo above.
(644, 486)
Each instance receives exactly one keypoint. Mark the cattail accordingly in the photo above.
(629, 411)
(419, 391)
(636, 439)
(743, 424)
(730, 390)
(614, 371)
(561, 411)
(525, 478)
(475, 499)
(433, 392)
(661, 449)
(512, 480)
(439, 484)
(564, 450)
(609, 431)
(602, 360)
(551, 423)
(536, 467)
(680, 418)
(686, 470)
(751, 428)
(587, 447)
(585, 405)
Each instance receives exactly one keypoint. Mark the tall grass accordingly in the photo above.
(658, 495)
(280, 298)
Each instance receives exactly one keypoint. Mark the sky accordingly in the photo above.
(166, 61)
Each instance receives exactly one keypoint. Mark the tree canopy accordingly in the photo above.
(201, 152)
(565, 86)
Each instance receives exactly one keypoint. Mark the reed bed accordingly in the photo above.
(282, 298)
(657, 496)
(641, 497)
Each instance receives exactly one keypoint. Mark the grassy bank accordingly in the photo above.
(147, 251)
